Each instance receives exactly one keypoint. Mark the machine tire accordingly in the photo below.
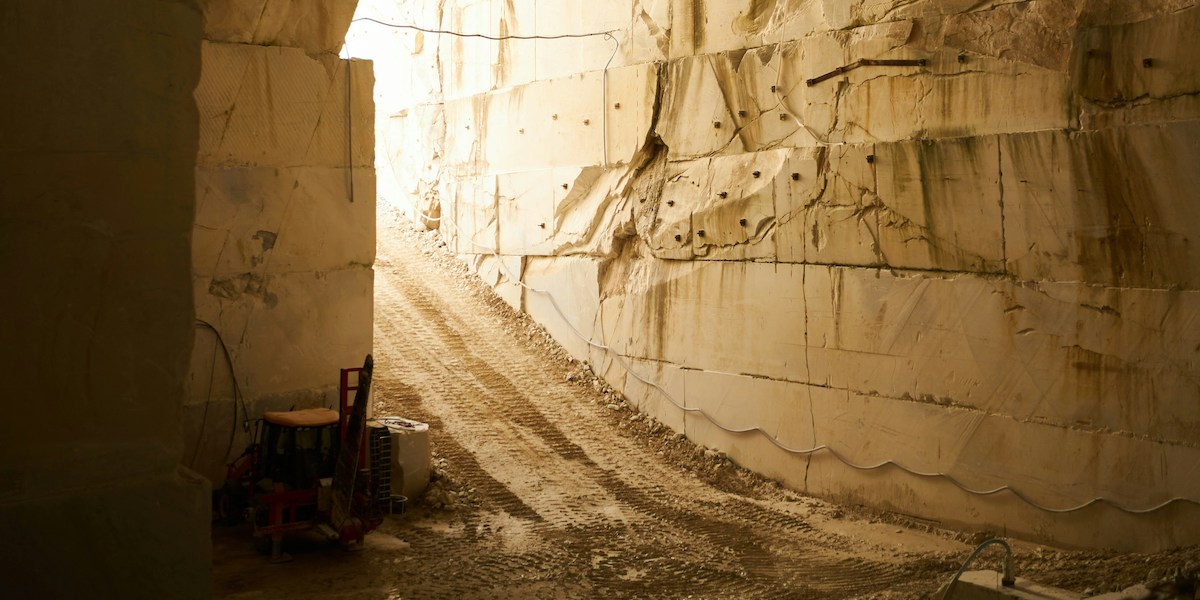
(229, 504)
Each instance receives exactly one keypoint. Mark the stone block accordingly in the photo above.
(316, 26)
(564, 297)
(949, 99)
(516, 60)
(481, 65)
(738, 317)
(99, 142)
(525, 206)
(797, 187)
(593, 214)
(729, 103)
(650, 36)
(631, 94)
(277, 220)
(815, 108)
(760, 99)
(275, 106)
(552, 123)
(706, 27)
(408, 159)
(874, 11)
(939, 205)
(1102, 207)
(841, 225)
(1037, 34)
(1110, 68)
(503, 274)
(1115, 12)
(286, 332)
(735, 219)
(1068, 353)
(764, 118)
(981, 451)
(782, 409)
(685, 183)
(561, 58)
(474, 60)
(473, 226)
(153, 561)
(967, 278)
(722, 208)
(464, 155)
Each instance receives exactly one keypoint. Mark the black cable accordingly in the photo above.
(237, 389)
(349, 127)
(485, 36)
(212, 368)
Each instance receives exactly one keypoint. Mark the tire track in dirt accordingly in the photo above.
(411, 401)
(725, 535)
(740, 525)
(598, 506)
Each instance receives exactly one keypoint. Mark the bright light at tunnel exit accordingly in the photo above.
(410, 84)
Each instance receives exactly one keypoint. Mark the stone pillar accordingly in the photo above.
(284, 237)
(98, 140)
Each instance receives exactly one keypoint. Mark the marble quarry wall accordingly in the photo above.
(929, 256)
(284, 234)
(98, 141)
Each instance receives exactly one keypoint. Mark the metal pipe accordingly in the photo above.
(1008, 579)
(867, 62)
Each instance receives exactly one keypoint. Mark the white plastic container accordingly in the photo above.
(410, 455)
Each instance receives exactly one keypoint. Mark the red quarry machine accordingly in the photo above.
(314, 468)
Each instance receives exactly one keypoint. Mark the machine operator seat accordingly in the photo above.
(309, 417)
(299, 447)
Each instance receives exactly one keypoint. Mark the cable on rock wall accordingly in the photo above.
(485, 36)
(608, 35)
(237, 393)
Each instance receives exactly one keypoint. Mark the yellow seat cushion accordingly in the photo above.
(309, 417)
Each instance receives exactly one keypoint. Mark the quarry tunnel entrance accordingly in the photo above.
(929, 258)
(550, 482)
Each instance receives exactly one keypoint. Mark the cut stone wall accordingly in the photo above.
(315, 26)
(284, 234)
(981, 266)
(98, 141)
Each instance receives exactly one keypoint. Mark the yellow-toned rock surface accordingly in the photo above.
(949, 241)
(284, 232)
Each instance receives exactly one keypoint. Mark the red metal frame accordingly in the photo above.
(284, 507)
(345, 388)
(344, 405)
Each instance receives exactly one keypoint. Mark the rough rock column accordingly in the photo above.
(98, 139)
(284, 237)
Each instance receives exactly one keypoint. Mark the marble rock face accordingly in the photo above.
(99, 142)
(284, 231)
(315, 26)
(959, 236)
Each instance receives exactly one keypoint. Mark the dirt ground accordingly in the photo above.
(547, 485)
